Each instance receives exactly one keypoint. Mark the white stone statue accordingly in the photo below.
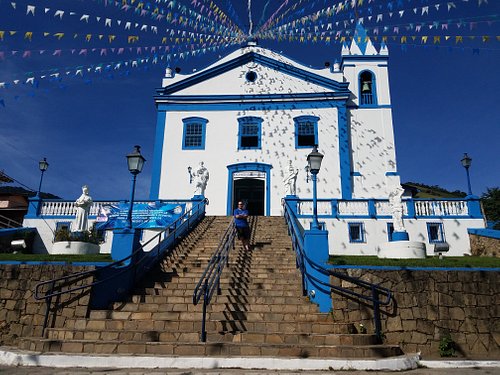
(397, 208)
(201, 177)
(290, 180)
(82, 210)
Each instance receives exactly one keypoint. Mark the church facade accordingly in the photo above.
(255, 115)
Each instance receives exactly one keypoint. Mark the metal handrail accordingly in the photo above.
(172, 230)
(210, 279)
(4, 220)
(302, 258)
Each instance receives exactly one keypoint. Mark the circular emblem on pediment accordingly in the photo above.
(251, 76)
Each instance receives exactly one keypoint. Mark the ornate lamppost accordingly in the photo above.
(43, 165)
(314, 163)
(466, 162)
(135, 163)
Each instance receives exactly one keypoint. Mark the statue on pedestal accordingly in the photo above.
(83, 205)
(201, 177)
(290, 180)
(397, 208)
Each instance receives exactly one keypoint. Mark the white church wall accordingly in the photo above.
(221, 150)
(373, 153)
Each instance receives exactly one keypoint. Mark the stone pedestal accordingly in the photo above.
(402, 250)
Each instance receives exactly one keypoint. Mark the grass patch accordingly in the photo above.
(56, 258)
(465, 261)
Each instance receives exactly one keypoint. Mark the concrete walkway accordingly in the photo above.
(14, 361)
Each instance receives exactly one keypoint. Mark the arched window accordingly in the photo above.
(367, 92)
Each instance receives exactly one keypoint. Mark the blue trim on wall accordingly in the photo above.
(157, 156)
(233, 168)
(250, 120)
(491, 233)
(199, 107)
(263, 60)
(314, 120)
(390, 230)
(344, 154)
(397, 268)
(189, 121)
(391, 173)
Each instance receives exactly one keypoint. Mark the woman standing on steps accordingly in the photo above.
(241, 224)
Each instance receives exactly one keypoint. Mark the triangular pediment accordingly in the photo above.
(253, 73)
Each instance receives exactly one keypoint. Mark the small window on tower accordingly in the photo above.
(367, 95)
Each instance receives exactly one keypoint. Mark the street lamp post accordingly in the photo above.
(314, 163)
(466, 162)
(43, 165)
(135, 163)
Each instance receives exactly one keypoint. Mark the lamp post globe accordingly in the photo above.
(135, 162)
(43, 165)
(466, 163)
(314, 160)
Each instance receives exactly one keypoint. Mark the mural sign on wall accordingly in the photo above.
(144, 215)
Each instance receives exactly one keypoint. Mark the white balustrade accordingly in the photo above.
(441, 208)
(353, 207)
(306, 208)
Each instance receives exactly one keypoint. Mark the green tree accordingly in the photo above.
(491, 205)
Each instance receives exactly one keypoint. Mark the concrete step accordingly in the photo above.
(212, 349)
(190, 336)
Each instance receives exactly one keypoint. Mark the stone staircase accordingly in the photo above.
(261, 311)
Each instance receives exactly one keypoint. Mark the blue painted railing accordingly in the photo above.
(115, 280)
(210, 279)
(297, 234)
(413, 208)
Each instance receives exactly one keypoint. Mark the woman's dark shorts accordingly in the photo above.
(243, 233)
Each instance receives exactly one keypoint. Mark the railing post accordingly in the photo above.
(316, 249)
(203, 318)
(48, 302)
(376, 313)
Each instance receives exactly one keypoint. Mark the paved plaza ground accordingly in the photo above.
(4, 370)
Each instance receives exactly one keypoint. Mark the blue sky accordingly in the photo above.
(86, 119)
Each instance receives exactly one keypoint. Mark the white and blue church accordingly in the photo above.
(252, 118)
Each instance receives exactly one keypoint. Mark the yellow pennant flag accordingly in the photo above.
(164, 40)
(437, 39)
(2, 33)
(486, 38)
(111, 38)
(101, 36)
(384, 39)
(12, 32)
(403, 39)
(88, 37)
(132, 39)
(447, 37)
(413, 37)
(424, 39)
(46, 34)
(28, 35)
(459, 39)
(59, 35)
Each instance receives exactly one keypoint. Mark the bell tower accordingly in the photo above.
(374, 170)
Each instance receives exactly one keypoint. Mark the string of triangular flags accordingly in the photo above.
(192, 19)
(155, 54)
(332, 11)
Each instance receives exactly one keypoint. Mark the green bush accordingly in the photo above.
(64, 234)
(447, 346)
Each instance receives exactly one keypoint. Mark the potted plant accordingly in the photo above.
(66, 242)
